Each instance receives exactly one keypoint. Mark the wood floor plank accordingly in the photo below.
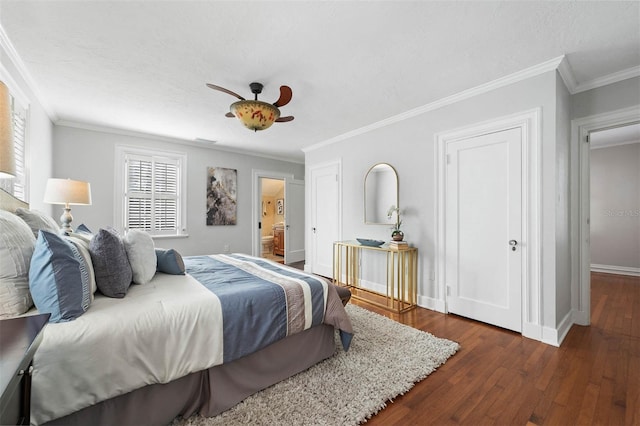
(500, 377)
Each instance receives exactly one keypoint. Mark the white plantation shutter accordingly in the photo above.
(153, 187)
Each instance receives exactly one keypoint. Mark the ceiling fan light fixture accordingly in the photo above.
(255, 115)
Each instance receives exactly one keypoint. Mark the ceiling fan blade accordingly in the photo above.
(285, 96)
(284, 119)
(230, 115)
(222, 89)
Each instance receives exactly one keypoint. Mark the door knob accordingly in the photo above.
(513, 244)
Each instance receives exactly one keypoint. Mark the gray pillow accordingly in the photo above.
(37, 221)
(16, 248)
(110, 263)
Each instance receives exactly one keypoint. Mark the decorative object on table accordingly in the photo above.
(398, 245)
(370, 243)
(67, 192)
(254, 114)
(221, 196)
(396, 233)
(7, 156)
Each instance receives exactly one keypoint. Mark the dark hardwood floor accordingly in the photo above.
(500, 378)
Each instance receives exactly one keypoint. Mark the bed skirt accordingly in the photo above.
(212, 391)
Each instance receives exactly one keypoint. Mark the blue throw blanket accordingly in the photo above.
(262, 301)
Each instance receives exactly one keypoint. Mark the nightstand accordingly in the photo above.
(19, 339)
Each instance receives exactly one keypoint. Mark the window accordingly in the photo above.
(18, 185)
(153, 186)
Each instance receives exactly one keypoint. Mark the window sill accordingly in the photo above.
(166, 237)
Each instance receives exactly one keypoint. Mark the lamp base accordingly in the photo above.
(66, 219)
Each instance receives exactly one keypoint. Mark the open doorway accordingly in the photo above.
(615, 200)
(583, 131)
(272, 219)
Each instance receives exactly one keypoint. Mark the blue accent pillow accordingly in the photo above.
(82, 228)
(170, 261)
(58, 278)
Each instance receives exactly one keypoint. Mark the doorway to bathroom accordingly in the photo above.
(272, 219)
(278, 216)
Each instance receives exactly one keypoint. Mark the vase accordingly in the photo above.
(397, 235)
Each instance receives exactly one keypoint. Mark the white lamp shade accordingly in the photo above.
(7, 156)
(67, 191)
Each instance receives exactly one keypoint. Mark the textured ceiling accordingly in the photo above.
(142, 66)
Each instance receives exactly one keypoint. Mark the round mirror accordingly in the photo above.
(380, 193)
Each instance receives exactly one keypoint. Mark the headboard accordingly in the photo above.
(10, 203)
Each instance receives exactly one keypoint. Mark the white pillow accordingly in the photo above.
(37, 221)
(142, 255)
(16, 248)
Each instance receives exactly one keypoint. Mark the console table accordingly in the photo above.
(19, 339)
(401, 274)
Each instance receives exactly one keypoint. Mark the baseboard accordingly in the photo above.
(618, 270)
(432, 304)
(555, 336)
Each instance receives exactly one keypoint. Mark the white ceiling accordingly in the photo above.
(142, 66)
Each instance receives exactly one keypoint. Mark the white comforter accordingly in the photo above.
(156, 334)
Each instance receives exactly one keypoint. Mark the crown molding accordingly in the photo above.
(15, 58)
(198, 142)
(608, 79)
(533, 71)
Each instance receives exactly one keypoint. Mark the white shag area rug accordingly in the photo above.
(385, 360)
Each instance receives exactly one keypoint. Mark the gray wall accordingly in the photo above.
(615, 206)
(89, 155)
(563, 201)
(409, 146)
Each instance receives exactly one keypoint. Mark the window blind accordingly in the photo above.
(152, 194)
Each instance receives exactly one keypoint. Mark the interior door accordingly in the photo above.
(294, 221)
(325, 217)
(484, 228)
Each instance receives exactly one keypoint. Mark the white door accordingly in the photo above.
(484, 228)
(325, 218)
(294, 221)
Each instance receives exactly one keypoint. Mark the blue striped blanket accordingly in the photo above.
(263, 302)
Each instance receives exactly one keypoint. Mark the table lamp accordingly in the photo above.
(67, 192)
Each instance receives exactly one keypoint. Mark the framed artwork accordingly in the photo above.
(280, 206)
(221, 196)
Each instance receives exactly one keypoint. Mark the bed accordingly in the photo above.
(171, 348)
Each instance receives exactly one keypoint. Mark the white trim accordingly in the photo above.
(256, 207)
(432, 303)
(555, 336)
(121, 151)
(200, 143)
(618, 270)
(566, 73)
(15, 58)
(581, 202)
(466, 94)
(529, 122)
(607, 79)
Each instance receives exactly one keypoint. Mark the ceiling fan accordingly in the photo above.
(254, 114)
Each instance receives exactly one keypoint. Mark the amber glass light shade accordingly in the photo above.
(255, 115)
